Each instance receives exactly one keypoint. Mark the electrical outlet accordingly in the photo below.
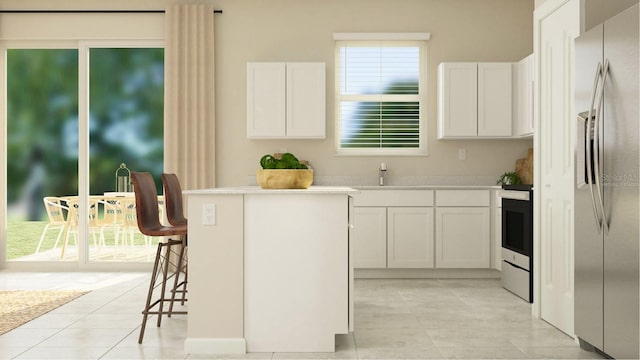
(462, 154)
(208, 214)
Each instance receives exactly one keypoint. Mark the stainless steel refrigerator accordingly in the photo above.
(607, 230)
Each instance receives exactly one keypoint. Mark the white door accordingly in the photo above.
(370, 237)
(410, 237)
(556, 28)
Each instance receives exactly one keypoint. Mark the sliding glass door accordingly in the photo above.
(73, 117)
(126, 99)
(42, 151)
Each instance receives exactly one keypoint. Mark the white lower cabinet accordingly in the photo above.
(462, 237)
(410, 237)
(370, 237)
(393, 229)
(395, 237)
(422, 229)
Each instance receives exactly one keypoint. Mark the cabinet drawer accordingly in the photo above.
(393, 198)
(462, 198)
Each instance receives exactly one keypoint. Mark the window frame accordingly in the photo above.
(382, 41)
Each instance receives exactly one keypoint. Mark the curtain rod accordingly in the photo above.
(86, 11)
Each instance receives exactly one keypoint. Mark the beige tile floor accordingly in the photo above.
(395, 319)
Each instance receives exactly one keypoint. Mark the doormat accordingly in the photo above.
(21, 306)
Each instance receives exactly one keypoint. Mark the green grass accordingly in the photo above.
(23, 237)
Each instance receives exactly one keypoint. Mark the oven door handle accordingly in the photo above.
(515, 195)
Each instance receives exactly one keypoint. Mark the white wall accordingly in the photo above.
(302, 30)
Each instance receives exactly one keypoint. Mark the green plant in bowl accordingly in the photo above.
(509, 178)
(281, 161)
(283, 171)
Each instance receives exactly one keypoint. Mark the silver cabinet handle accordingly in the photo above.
(587, 142)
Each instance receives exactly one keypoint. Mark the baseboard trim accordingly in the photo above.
(427, 274)
(210, 346)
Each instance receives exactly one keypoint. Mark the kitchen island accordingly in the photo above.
(269, 270)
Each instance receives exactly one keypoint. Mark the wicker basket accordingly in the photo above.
(284, 178)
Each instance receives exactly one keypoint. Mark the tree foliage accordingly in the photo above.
(126, 116)
(389, 124)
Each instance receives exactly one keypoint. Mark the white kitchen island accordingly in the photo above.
(269, 270)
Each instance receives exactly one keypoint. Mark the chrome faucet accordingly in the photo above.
(381, 172)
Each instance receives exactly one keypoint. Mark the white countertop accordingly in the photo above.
(428, 187)
(317, 190)
(244, 190)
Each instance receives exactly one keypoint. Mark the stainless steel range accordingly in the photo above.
(517, 240)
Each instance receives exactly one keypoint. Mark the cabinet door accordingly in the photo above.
(494, 99)
(410, 237)
(525, 96)
(306, 105)
(457, 100)
(370, 237)
(462, 237)
(265, 100)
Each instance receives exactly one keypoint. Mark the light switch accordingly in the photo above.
(208, 214)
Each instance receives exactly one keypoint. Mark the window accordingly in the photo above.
(380, 97)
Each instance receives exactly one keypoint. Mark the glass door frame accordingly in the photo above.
(83, 262)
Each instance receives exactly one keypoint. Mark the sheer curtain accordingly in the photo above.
(189, 95)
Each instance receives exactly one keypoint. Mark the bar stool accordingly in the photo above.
(175, 216)
(148, 218)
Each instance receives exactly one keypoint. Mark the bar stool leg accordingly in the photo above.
(165, 272)
(154, 276)
(176, 281)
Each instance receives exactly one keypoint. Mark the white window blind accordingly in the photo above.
(379, 97)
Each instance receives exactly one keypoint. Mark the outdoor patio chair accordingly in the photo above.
(56, 212)
(73, 222)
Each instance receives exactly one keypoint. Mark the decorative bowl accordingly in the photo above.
(284, 178)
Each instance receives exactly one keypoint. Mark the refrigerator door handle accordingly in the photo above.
(589, 136)
(598, 150)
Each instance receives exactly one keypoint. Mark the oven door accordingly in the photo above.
(517, 226)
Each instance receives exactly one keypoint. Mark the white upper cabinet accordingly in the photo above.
(286, 100)
(266, 100)
(494, 100)
(474, 100)
(524, 97)
(306, 100)
(457, 100)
